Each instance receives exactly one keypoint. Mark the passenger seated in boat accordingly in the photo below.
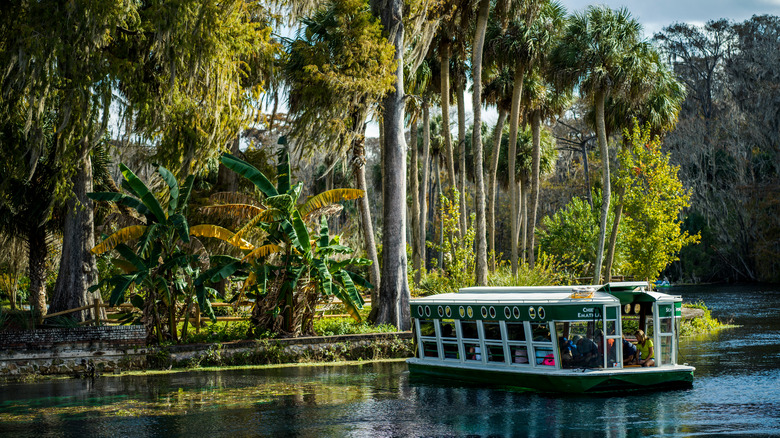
(600, 342)
(521, 355)
(474, 353)
(644, 347)
(568, 351)
(588, 353)
(629, 352)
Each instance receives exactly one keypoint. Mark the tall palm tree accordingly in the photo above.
(595, 54)
(519, 49)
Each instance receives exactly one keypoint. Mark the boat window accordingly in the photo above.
(450, 350)
(495, 353)
(519, 354)
(665, 335)
(492, 330)
(544, 355)
(427, 328)
(469, 330)
(515, 331)
(541, 332)
(430, 349)
(448, 328)
(473, 351)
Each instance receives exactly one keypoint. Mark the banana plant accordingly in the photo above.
(290, 264)
(159, 264)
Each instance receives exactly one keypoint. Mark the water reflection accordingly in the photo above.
(735, 391)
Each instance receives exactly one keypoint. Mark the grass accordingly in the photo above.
(701, 325)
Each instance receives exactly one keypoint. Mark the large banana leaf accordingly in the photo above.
(184, 194)
(263, 251)
(249, 172)
(324, 277)
(181, 226)
(302, 232)
(327, 198)
(348, 295)
(283, 172)
(173, 188)
(121, 236)
(143, 192)
(220, 233)
(233, 211)
(201, 294)
(121, 283)
(131, 257)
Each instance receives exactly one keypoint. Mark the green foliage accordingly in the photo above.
(700, 325)
(653, 202)
(303, 262)
(571, 235)
(348, 326)
(459, 255)
(159, 265)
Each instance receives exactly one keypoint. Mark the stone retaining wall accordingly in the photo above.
(108, 349)
(73, 351)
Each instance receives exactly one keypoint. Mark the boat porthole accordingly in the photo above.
(507, 312)
(420, 311)
(627, 309)
(448, 311)
(441, 311)
(637, 308)
(484, 312)
(516, 312)
(532, 312)
(427, 311)
(541, 312)
(470, 312)
(492, 312)
(462, 311)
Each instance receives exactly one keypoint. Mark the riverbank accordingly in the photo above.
(63, 353)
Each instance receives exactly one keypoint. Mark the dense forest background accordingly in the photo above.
(603, 138)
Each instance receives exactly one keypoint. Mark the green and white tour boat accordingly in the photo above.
(552, 339)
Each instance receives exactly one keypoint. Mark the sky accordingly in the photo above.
(654, 15)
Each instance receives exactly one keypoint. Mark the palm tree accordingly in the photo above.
(595, 55)
(520, 49)
(498, 92)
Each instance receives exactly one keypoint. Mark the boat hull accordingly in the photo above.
(577, 381)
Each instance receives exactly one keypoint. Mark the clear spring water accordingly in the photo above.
(736, 391)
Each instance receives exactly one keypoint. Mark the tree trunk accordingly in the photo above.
(445, 110)
(493, 185)
(536, 122)
(394, 290)
(36, 266)
(359, 168)
(614, 233)
(423, 213)
(78, 270)
(414, 187)
(464, 214)
(227, 180)
(476, 62)
(605, 190)
(514, 122)
(524, 219)
(587, 173)
(438, 204)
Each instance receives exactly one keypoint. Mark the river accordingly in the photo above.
(736, 391)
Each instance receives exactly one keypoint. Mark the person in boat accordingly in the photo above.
(568, 351)
(644, 347)
(588, 353)
(629, 352)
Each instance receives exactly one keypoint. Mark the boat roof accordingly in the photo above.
(610, 293)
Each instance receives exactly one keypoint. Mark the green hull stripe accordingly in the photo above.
(585, 383)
